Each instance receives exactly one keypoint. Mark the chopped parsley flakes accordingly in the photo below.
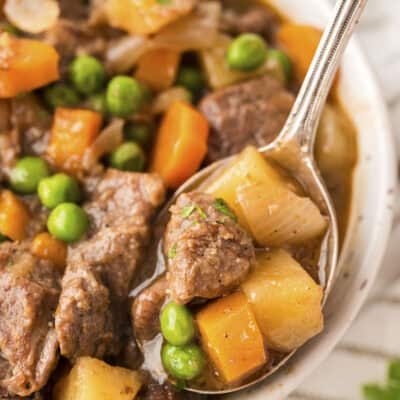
(172, 251)
(187, 211)
(223, 208)
(201, 212)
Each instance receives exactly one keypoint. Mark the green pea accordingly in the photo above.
(177, 325)
(128, 157)
(58, 189)
(192, 79)
(124, 96)
(87, 74)
(283, 60)
(139, 133)
(98, 103)
(27, 174)
(183, 362)
(247, 52)
(61, 95)
(68, 222)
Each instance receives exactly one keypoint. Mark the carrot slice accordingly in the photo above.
(158, 68)
(300, 42)
(231, 337)
(181, 144)
(49, 248)
(14, 216)
(73, 131)
(25, 65)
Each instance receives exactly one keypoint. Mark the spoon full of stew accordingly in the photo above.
(293, 153)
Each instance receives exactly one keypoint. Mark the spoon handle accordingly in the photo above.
(301, 125)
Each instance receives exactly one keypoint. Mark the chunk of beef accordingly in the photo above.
(93, 305)
(155, 391)
(77, 37)
(254, 18)
(25, 128)
(74, 9)
(33, 122)
(208, 253)
(29, 290)
(252, 112)
(39, 213)
(10, 149)
(146, 309)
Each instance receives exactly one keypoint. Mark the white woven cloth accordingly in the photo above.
(374, 337)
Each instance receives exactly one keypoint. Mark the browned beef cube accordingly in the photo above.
(208, 253)
(252, 112)
(93, 305)
(29, 290)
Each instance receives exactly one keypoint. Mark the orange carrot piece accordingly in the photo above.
(73, 131)
(25, 64)
(14, 216)
(231, 337)
(158, 68)
(49, 248)
(181, 144)
(300, 42)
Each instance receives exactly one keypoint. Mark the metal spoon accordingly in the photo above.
(293, 149)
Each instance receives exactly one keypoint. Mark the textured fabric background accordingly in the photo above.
(375, 336)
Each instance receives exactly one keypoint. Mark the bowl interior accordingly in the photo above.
(371, 216)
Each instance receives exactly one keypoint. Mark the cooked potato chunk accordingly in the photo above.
(285, 300)
(229, 325)
(143, 17)
(250, 167)
(334, 145)
(92, 379)
(277, 216)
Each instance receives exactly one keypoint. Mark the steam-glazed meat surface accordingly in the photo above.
(208, 252)
(248, 113)
(29, 290)
(146, 310)
(93, 309)
(255, 19)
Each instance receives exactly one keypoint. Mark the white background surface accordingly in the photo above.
(374, 338)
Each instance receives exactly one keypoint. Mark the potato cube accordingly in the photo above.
(92, 379)
(143, 17)
(231, 337)
(248, 168)
(285, 300)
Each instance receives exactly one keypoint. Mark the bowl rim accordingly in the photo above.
(286, 380)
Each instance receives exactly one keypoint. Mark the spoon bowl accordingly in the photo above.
(293, 150)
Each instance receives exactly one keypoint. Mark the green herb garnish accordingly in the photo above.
(201, 212)
(172, 251)
(164, 2)
(187, 211)
(389, 391)
(221, 206)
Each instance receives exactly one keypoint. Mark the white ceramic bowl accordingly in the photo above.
(371, 216)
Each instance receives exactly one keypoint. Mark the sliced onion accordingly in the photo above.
(107, 141)
(32, 16)
(196, 31)
(124, 53)
(164, 100)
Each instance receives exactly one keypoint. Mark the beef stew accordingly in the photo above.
(106, 107)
